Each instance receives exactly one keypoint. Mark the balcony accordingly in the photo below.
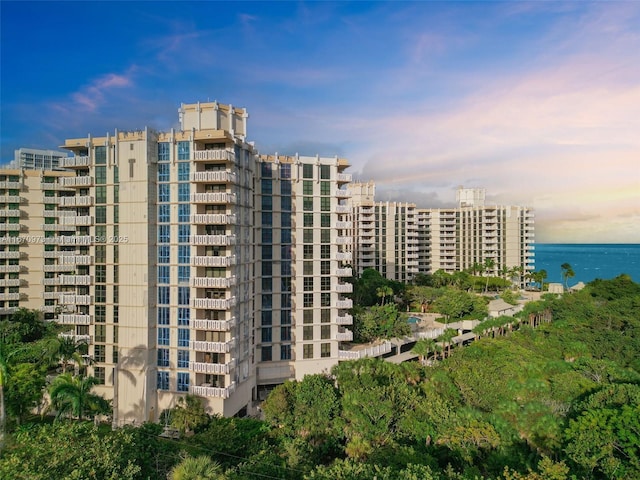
(77, 201)
(10, 268)
(82, 220)
(344, 256)
(11, 240)
(344, 225)
(214, 325)
(73, 259)
(216, 392)
(78, 338)
(372, 351)
(343, 209)
(212, 347)
(345, 319)
(214, 176)
(69, 240)
(74, 162)
(224, 155)
(74, 319)
(343, 194)
(13, 282)
(346, 336)
(11, 185)
(8, 297)
(50, 200)
(9, 213)
(207, 261)
(213, 282)
(344, 288)
(213, 197)
(214, 303)
(343, 240)
(74, 182)
(57, 268)
(346, 303)
(11, 255)
(56, 227)
(11, 199)
(343, 178)
(344, 272)
(8, 310)
(222, 240)
(52, 186)
(213, 219)
(212, 368)
(71, 299)
(51, 295)
(74, 280)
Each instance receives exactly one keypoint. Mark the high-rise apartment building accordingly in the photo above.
(189, 263)
(36, 159)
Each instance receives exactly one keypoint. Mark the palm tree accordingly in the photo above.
(5, 355)
(384, 292)
(67, 349)
(489, 264)
(567, 273)
(72, 395)
(446, 338)
(423, 348)
(200, 468)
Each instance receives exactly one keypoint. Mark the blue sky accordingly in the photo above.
(537, 102)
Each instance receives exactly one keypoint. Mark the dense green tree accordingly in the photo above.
(189, 414)
(71, 395)
(25, 389)
(67, 350)
(567, 273)
(379, 321)
(456, 304)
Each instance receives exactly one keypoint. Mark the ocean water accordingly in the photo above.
(589, 261)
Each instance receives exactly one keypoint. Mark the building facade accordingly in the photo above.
(36, 159)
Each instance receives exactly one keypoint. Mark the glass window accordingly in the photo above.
(101, 194)
(307, 170)
(307, 220)
(285, 170)
(99, 373)
(325, 251)
(163, 172)
(325, 332)
(266, 353)
(285, 235)
(164, 191)
(267, 219)
(308, 284)
(164, 233)
(325, 220)
(267, 317)
(267, 235)
(183, 337)
(100, 154)
(101, 214)
(325, 188)
(164, 213)
(163, 274)
(101, 293)
(307, 300)
(183, 380)
(307, 251)
(183, 295)
(163, 336)
(163, 381)
(267, 186)
(101, 175)
(307, 333)
(307, 235)
(184, 209)
(307, 187)
(307, 204)
(325, 299)
(183, 358)
(285, 204)
(184, 231)
(325, 350)
(285, 300)
(325, 267)
(100, 333)
(325, 283)
(325, 235)
(183, 171)
(184, 315)
(307, 351)
(184, 254)
(325, 204)
(266, 335)
(163, 357)
(184, 273)
(100, 313)
(265, 170)
(285, 334)
(183, 191)
(285, 188)
(184, 150)
(267, 203)
(325, 315)
(163, 253)
(325, 172)
(163, 315)
(285, 317)
(285, 352)
(163, 295)
(101, 273)
(163, 151)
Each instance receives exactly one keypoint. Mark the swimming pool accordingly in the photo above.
(413, 320)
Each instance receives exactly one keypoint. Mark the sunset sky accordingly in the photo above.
(538, 102)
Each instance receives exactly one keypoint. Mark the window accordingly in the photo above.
(184, 274)
(307, 204)
(100, 154)
(266, 335)
(285, 235)
(183, 337)
(163, 336)
(99, 353)
(163, 151)
(325, 188)
(101, 175)
(307, 235)
(101, 214)
(325, 267)
(184, 150)
(307, 251)
(101, 333)
(183, 295)
(267, 284)
(267, 235)
(164, 233)
(267, 219)
(163, 381)
(183, 192)
(307, 351)
(307, 300)
(100, 313)
(325, 204)
(307, 333)
(325, 235)
(163, 274)
(285, 334)
(325, 251)
(307, 187)
(163, 253)
(267, 203)
(163, 295)
(98, 372)
(325, 283)
(101, 273)
(307, 267)
(307, 170)
(285, 352)
(183, 172)
(285, 171)
(307, 316)
(325, 299)
(325, 332)
(163, 315)
(267, 301)
(184, 209)
(267, 186)
(267, 268)
(285, 300)
(164, 192)
(285, 204)
(101, 293)
(325, 350)
(266, 168)
(184, 254)
(184, 315)
(308, 284)
(183, 378)
(183, 358)
(325, 172)
(267, 252)
(163, 172)
(266, 353)
(163, 357)
(184, 231)
(267, 317)
(101, 195)
(164, 213)
(325, 315)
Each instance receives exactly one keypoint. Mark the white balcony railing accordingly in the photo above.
(215, 176)
(212, 368)
(344, 272)
(343, 193)
(214, 303)
(74, 259)
(346, 336)
(74, 280)
(345, 303)
(71, 299)
(213, 347)
(345, 319)
(216, 392)
(9, 213)
(214, 325)
(74, 319)
(343, 209)
(213, 155)
(207, 261)
(344, 256)
(373, 351)
(213, 282)
(213, 197)
(343, 225)
(344, 288)
(82, 181)
(77, 201)
(72, 162)
(344, 177)
(11, 185)
(343, 240)
(213, 219)
(222, 240)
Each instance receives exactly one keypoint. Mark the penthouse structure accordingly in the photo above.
(189, 263)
